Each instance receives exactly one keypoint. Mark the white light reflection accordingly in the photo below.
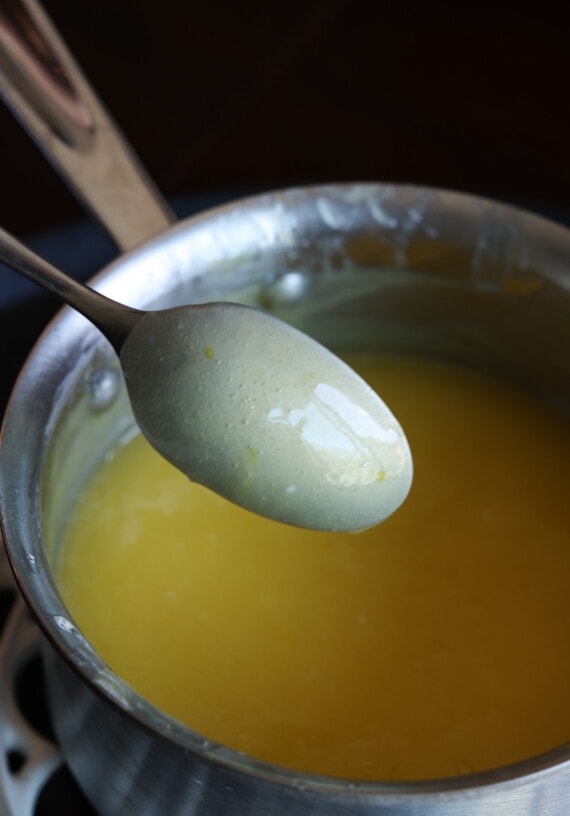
(347, 441)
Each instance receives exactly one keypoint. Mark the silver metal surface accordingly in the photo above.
(115, 320)
(43, 85)
(381, 266)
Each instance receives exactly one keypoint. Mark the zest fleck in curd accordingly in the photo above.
(433, 645)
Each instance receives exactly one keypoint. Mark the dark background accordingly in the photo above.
(216, 96)
(221, 98)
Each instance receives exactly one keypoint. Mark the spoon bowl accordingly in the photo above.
(248, 406)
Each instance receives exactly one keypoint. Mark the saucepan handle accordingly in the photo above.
(43, 85)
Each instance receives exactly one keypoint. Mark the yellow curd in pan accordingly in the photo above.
(433, 645)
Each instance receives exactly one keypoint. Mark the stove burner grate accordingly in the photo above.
(34, 779)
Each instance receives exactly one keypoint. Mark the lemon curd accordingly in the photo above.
(433, 645)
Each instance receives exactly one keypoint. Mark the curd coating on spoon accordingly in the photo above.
(266, 417)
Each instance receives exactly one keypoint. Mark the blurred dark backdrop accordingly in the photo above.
(217, 96)
(223, 97)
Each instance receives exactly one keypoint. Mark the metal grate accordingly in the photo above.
(34, 780)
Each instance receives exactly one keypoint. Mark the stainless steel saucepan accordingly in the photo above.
(367, 265)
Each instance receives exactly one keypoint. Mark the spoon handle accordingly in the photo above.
(113, 319)
(45, 88)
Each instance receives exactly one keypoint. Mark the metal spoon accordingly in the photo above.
(248, 406)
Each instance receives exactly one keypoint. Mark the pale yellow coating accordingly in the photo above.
(266, 417)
